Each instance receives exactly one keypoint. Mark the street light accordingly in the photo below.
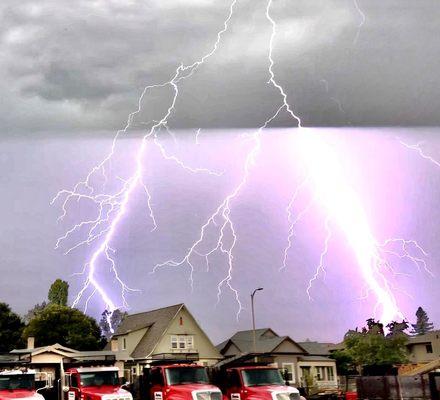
(253, 317)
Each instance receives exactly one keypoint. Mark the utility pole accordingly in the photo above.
(253, 317)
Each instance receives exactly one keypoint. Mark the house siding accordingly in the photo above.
(208, 354)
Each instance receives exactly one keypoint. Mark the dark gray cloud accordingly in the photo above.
(82, 65)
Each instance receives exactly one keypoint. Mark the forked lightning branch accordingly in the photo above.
(325, 179)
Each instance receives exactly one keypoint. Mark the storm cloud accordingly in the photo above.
(80, 66)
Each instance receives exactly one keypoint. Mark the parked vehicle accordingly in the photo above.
(19, 384)
(180, 382)
(94, 383)
(256, 383)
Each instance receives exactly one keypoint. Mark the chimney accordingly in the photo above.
(114, 345)
(30, 343)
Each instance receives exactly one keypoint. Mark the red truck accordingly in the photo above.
(18, 384)
(94, 383)
(256, 383)
(180, 382)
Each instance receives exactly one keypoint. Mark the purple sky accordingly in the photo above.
(398, 190)
(72, 74)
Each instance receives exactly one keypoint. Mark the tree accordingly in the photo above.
(66, 326)
(116, 318)
(370, 352)
(397, 328)
(11, 328)
(344, 363)
(34, 311)
(58, 292)
(422, 325)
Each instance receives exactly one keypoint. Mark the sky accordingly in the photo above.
(72, 73)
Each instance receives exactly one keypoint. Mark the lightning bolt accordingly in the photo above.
(362, 21)
(343, 207)
(111, 208)
(417, 147)
(330, 188)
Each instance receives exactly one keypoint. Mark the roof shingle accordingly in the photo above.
(157, 321)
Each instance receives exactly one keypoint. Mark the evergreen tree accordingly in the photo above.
(422, 325)
(58, 293)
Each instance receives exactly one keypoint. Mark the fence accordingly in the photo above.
(420, 387)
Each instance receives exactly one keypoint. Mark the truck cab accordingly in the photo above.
(18, 384)
(94, 383)
(257, 383)
(181, 382)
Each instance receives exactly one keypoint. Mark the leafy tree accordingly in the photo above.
(344, 363)
(58, 292)
(115, 320)
(370, 352)
(397, 328)
(34, 311)
(66, 326)
(422, 325)
(11, 328)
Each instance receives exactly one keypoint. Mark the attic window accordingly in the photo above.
(182, 342)
(181, 321)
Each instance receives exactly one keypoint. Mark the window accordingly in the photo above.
(182, 342)
(107, 378)
(429, 348)
(124, 343)
(330, 373)
(262, 377)
(320, 374)
(179, 375)
(289, 368)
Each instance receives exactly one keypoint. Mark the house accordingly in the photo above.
(166, 333)
(284, 353)
(318, 364)
(423, 354)
(424, 348)
(52, 359)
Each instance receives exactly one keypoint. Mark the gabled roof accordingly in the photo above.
(267, 341)
(315, 348)
(54, 348)
(157, 322)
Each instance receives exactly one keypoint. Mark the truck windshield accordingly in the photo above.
(181, 376)
(102, 378)
(262, 377)
(14, 382)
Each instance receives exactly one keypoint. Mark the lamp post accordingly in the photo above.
(253, 317)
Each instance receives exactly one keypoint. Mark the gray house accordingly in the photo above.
(166, 333)
(286, 354)
(423, 354)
